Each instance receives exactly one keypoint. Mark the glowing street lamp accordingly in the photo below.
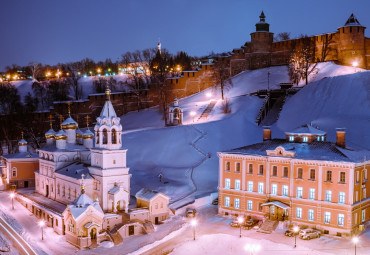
(12, 195)
(355, 64)
(98, 70)
(240, 221)
(355, 241)
(193, 224)
(208, 94)
(295, 230)
(252, 248)
(42, 224)
(192, 114)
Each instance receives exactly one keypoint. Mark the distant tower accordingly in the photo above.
(351, 46)
(22, 144)
(262, 39)
(159, 46)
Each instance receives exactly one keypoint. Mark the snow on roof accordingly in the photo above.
(75, 170)
(90, 224)
(307, 129)
(323, 151)
(147, 194)
(114, 190)
(69, 121)
(69, 147)
(20, 155)
(81, 204)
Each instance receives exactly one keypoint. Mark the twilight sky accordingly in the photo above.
(52, 31)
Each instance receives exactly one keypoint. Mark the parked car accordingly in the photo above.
(309, 233)
(250, 224)
(190, 212)
(289, 232)
(215, 201)
(235, 223)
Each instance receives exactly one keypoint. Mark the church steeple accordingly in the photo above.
(262, 17)
(262, 26)
(108, 129)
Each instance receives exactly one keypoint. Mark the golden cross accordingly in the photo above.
(69, 108)
(51, 120)
(22, 134)
(87, 120)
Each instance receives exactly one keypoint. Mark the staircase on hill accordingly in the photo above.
(268, 226)
(274, 112)
(208, 110)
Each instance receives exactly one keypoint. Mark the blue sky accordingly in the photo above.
(61, 31)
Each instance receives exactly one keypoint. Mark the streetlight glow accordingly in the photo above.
(252, 248)
(295, 229)
(12, 195)
(192, 114)
(42, 224)
(208, 94)
(240, 221)
(193, 223)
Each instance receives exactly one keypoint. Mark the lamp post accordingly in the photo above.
(12, 195)
(355, 241)
(355, 64)
(193, 224)
(295, 230)
(192, 114)
(240, 221)
(41, 224)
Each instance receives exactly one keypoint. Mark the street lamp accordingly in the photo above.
(192, 114)
(355, 241)
(12, 195)
(193, 224)
(240, 221)
(295, 230)
(252, 248)
(42, 224)
(208, 94)
(355, 64)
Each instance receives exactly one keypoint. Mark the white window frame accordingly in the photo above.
(298, 213)
(227, 201)
(274, 189)
(363, 215)
(311, 194)
(237, 203)
(226, 163)
(260, 187)
(327, 217)
(328, 195)
(291, 138)
(341, 197)
(305, 139)
(249, 205)
(285, 190)
(311, 215)
(237, 184)
(340, 219)
(227, 183)
(299, 192)
(250, 186)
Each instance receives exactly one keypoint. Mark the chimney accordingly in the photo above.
(266, 133)
(341, 137)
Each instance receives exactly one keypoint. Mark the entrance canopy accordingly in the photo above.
(278, 204)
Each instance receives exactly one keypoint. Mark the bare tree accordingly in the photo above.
(326, 48)
(283, 36)
(222, 75)
(35, 69)
(74, 75)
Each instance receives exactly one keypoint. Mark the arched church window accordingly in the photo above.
(114, 136)
(105, 136)
(97, 137)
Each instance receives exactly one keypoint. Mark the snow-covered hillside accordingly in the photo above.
(187, 155)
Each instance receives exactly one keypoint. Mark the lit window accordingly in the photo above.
(285, 190)
(237, 203)
(14, 172)
(322, 138)
(305, 139)
(299, 192)
(291, 138)
(299, 213)
(250, 205)
(342, 197)
(312, 194)
(311, 214)
(327, 216)
(318, 138)
(227, 202)
(260, 187)
(250, 186)
(363, 215)
(227, 183)
(328, 196)
(237, 184)
(340, 219)
(274, 189)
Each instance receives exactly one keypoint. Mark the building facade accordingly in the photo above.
(302, 179)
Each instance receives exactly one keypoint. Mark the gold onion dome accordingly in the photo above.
(22, 142)
(79, 133)
(69, 123)
(50, 134)
(61, 135)
(88, 134)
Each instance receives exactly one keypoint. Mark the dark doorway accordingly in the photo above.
(93, 234)
(47, 190)
(131, 230)
(156, 221)
(26, 184)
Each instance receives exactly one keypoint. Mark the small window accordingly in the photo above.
(311, 194)
(227, 167)
(327, 217)
(291, 138)
(299, 173)
(237, 184)
(249, 205)
(250, 186)
(342, 178)
(305, 139)
(236, 203)
(311, 214)
(227, 202)
(299, 192)
(274, 171)
(274, 189)
(285, 190)
(299, 213)
(14, 172)
(328, 176)
(260, 187)
(227, 183)
(342, 197)
(328, 196)
(260, 171)
(250, 168)
(114, 162)
(312, 174)
(286, 171)
(318, 138)
(340, 219)
(237, 167)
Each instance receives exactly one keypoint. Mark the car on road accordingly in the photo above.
(235, 223)
(191, 212)
(309, 233)
(250, 224)
(289, 232)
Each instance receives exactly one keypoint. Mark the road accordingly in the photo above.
(22, 246)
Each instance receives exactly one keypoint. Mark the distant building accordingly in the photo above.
(155, 202)
(346, 46)
(302, 179)
(175, 114)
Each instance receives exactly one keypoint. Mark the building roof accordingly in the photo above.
(69, 147)
(323, 151)
(146, 194)
(352, 21)
(75, 170)
(20, 155)
(307, 129)
(114, 190)
(80, 205)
